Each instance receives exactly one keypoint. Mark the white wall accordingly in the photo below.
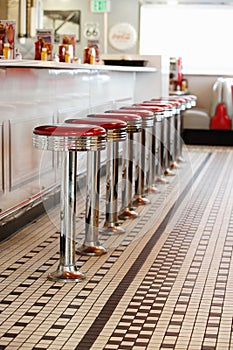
(121, 11)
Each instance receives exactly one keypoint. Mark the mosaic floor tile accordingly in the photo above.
(165, 284)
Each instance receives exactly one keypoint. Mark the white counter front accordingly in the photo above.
(34, 93)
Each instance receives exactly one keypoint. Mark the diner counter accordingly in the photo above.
(35, 93)
(68, 66)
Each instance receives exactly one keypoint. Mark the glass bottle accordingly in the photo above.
(6, 51)
(92, 55)
(44, 54)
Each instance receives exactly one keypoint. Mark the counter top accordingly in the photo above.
(60, 65)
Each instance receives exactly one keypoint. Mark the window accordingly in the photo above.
(200, 34)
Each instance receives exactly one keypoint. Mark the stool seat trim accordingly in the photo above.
(158, 112)
(60, 137)
(187, 101)
(132, 119)
(168, 108)
(176, 104)
(180, 100)
(112, 127)
(147, 117)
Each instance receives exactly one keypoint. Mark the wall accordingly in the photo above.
(121, 11)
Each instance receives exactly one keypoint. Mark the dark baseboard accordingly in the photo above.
(12, 226)
(208, 137)
(26, 217)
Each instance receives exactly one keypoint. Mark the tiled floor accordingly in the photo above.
(167, 283)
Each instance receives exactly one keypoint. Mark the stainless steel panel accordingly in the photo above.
(30, 97)
(25, 161)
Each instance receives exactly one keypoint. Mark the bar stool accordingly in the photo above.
(193, 100)
(117, 135)
(168, 113)
(178, 134)
(155, 157)
(187, 100)
(69, 140)
(91, 245)
(160, 177)
(134, 126)
(143, 182)
(141, 163)
(174, 123)
(170, 123)
(183, 107)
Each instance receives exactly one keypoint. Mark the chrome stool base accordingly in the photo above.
(152, 189)
(181, 160)
(175, 165)
(128, 213)
(162, 180)
(141, 200)
(96, 250)
(112, 228)
(67, 274)
(169, 172)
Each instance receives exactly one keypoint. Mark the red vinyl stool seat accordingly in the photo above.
(220, 121)
(114, 129)
(68, 139)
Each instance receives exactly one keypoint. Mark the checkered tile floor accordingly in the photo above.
(167, 283)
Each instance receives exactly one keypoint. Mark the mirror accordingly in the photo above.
(63, 23)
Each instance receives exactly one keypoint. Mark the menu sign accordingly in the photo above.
(7, 35)
(69, 39)
(45, 38)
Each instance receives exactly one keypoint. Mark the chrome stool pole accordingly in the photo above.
(185, 103)
(143, 154)
(154, 168)
(68, 139)
(134, 126)
(176, 134)
(156, 145)
(172, 132)
(179, 141)
(168, 113)
(160, 177)
(114, 136)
